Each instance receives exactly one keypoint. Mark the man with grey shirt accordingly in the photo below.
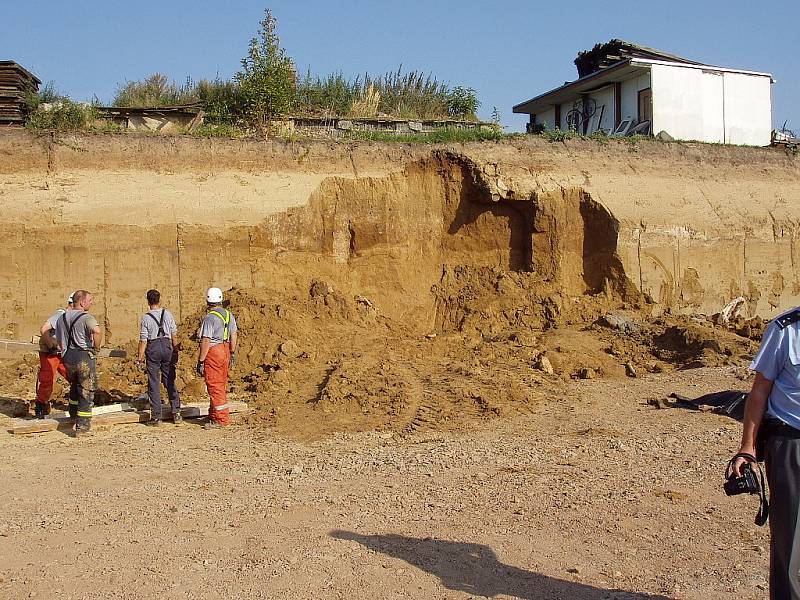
(158, 343)
(78, 335)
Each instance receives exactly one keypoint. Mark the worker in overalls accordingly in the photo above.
(158, 345)
(79, 337)
(218, 337)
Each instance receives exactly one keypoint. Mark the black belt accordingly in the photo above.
(776, 427)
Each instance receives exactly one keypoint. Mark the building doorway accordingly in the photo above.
(645, 105)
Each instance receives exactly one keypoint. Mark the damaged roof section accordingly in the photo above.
(609, 53)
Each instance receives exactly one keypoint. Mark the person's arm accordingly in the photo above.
(205, 344)
(45, 328)
(234, 340)
(176, 343)
(753, 414)
(97, 337)
(140, 350)
(48, 340)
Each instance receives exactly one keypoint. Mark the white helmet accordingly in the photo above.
(70, 299)
(214, 295)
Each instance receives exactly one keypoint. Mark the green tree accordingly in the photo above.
(267, 81)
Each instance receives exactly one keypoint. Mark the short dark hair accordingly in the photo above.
(153, 296)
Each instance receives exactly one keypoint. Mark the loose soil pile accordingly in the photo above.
(323, 362)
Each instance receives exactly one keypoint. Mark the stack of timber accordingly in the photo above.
(121, 414)
(15, 83)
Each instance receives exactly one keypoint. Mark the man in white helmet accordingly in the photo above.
(50, 362)
(218, 337)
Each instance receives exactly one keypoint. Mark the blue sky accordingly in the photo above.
(508, 51)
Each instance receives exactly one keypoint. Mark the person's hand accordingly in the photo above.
(140, 364)
(740, 459)
(232, 360)
(201, 368)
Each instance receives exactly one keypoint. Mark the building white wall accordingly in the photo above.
(630, 95)
(547, 119)
(604, 112)
(711, 106)
(748, 109)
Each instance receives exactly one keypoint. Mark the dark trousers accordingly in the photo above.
(82, 377)
(161, 366)
(783, 474)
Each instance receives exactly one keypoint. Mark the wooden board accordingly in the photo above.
(15, 346)
(98, 410)
(188, 411)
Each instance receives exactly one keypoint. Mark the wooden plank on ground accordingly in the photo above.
(15, 346)
(97, 410)
(188, 411)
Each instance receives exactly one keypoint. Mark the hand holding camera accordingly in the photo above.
(740, 478)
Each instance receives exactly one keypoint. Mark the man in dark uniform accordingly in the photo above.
(78, 335)
(158, 342)
(772, 414)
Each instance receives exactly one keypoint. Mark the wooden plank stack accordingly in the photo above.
(15, 83)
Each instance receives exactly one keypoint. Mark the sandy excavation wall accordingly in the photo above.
(677, 227)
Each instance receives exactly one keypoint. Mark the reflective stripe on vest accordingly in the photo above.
(225, 406)
(225, 320)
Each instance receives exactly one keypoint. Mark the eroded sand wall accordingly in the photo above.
(690, 226)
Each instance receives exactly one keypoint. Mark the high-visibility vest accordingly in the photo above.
(226, 319)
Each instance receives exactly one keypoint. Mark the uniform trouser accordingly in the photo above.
(161, 366)
(49, 365)
(783, 474)
(82, 377)
(216, 374)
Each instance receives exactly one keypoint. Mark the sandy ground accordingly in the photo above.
(592, 495)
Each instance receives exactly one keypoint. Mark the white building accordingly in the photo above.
(628, 88)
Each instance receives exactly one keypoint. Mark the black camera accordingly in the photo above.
(746, 484)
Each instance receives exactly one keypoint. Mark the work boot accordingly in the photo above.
(212, 424)
(83, 433)
(153, 422)
(177, 418)
(41, 410)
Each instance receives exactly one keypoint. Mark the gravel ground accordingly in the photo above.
(595, 495)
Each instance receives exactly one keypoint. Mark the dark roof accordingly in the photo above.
(604, 55)
(10, 65)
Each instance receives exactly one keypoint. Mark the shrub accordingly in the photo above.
(61, 115)
(332, 95)
(222, 101)
(155, 90)
(462, 102)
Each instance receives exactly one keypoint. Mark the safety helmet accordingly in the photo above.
(214, 295)
(70, 299)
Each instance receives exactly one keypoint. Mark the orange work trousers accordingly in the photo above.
(49, 365)
(216, 375)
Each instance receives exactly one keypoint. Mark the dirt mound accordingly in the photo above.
(325, 361)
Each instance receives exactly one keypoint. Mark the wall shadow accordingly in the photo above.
(475, 569)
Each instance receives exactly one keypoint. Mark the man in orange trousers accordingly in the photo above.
(50, 363)
(218, 336)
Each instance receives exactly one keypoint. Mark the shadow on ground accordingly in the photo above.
(13, 407)
(475, 569)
